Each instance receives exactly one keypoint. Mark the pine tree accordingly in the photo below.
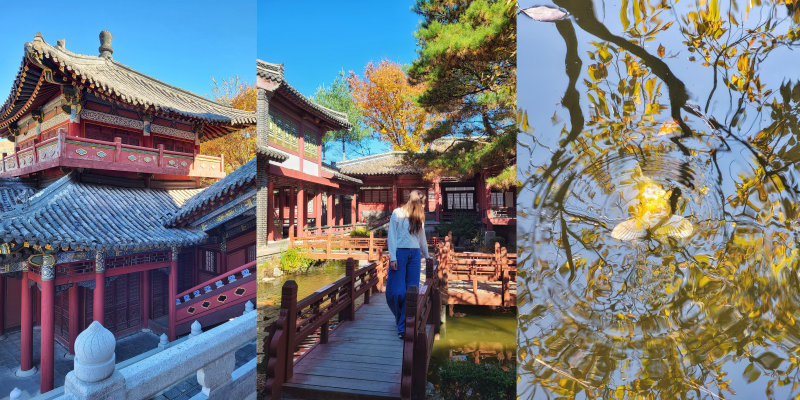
(467, 59)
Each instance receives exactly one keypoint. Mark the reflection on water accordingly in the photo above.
(658, 217)
(477, 334)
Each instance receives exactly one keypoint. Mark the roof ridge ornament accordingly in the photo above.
(105, 45)
(38, 37)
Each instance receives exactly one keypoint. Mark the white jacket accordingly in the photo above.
(400, 237)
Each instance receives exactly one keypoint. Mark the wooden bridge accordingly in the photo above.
(357, 354)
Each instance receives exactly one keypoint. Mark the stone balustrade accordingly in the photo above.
(210, 354)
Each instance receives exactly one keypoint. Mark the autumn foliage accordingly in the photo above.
(238, 147)
(387, 100)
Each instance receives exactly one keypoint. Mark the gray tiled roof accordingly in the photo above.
(272, 154)
(131, 86)
(274, 72)
(243, 177)
(391, 163)
(14, 192)
(331, 169)
(90, 216)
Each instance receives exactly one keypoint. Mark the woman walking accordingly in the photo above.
(407, 244)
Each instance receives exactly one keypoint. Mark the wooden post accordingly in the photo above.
(280, 352)
(318, 210)
(35, 151)
(407, 371)
(74, 316)
(118, 150)
(147, 295)
(160, 155)
(173, 292)
(328, 245)
(394, 192)
(435, 316)
(291, 237)
(437, 197)
(47, 354)
(26, 328)
(371, 246)
(349, 312)
(354, 210)
(381, 287)
(271, 211)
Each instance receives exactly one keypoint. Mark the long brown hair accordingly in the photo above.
(415, 211)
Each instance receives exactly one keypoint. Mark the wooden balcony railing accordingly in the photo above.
(423, 322)
(69, 151)
(335, 230)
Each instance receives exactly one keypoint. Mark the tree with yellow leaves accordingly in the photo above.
(238, 147)
(389, 108)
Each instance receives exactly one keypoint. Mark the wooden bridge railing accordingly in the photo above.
(299, 319)
(423, 319)
(343, 247)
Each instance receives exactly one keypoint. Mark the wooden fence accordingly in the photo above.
(423, 319)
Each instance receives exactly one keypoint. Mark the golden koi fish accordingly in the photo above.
(654, 213)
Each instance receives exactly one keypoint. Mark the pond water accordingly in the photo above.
(658, 225)
(477, 334)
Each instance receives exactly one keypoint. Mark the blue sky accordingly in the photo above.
(183, 43)
(315, 40)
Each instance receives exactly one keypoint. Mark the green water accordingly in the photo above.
(476, 334)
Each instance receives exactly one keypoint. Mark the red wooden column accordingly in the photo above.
(271, 211)
(318, 208)
(292, 200)
(281, 205)
(394, 193)
(147, 296)
(74, 316)
(302, 221)
(437, 190)
(99, 296)
(47, 355)
(354, 210)
(26, 367)
(487, 199)
(329, 209)
(2, 306)
(173, 290)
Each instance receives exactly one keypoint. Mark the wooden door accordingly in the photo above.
(61, 310)
(185, 270)
(13, 308)
(123, 303)
(160, 291)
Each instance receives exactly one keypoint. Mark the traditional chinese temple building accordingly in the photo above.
(103, 216)
(388, 179)
(290, 132)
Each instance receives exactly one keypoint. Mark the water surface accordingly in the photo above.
(658, 226)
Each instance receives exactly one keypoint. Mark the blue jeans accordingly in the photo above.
(406, 275)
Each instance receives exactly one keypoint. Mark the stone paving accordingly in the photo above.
(127, 347)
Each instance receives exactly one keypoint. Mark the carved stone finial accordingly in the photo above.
(196, 329)
(38, 37)
(16, 394)
(62, 43)
(163, 342)
(94, 353)
(105, 45)
(248, 307)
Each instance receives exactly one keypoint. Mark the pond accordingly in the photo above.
(658, 219)
(476, 334)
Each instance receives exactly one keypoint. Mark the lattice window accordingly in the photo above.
(210, 262)
(376, 196)
(282, 131)
(498, 199)
(107, 134)
(431, 195)
(75, 268)
(251, 254)
(137, 259)
(310, 145)
(179, 146)
(460, 201)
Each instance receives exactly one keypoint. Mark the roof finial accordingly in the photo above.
(105, 45)
(38, 37)
(62, 43)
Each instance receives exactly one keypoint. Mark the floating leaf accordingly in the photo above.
(546, 13)
(661, 51)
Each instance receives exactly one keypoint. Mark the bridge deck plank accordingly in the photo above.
(362, 359)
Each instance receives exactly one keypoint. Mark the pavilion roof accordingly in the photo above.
(390, 163)
(112, 80)
(15, 191)
(332, 169)
(275, 73)
(225, 189)
(76, 215)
